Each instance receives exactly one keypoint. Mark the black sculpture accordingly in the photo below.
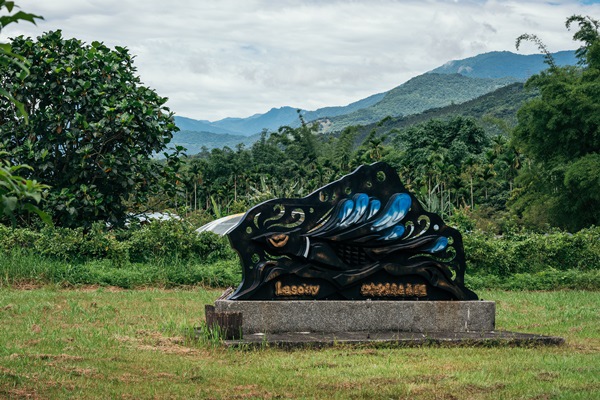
(363, 236)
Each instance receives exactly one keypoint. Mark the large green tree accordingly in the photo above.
(16, 194)
(442, 161)
(560, 133)
(93, 128)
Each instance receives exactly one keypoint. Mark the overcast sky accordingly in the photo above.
(234, 58)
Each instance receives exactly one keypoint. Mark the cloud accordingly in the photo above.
(240, 57)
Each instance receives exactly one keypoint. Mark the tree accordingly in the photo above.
(92, 132)
(16, 194)
(560, 132)
(7, 57)
(436, 154)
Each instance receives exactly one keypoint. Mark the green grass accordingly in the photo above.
(98, 343)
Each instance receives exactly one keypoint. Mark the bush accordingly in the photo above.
(162, 253)
(532, 252)
(170, 240)
(174, 240)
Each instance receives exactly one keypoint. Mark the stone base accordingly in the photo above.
(302, 340)
(362, 316)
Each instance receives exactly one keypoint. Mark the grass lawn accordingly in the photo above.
(99, 343)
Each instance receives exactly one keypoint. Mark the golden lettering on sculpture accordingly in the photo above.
(296, 290)
(393, 290)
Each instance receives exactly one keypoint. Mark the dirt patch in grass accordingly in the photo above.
(473, 388)
(95, 288)
(587, 348)
(335, 386)
(548, 376)
(427, 379)
(385, 381)
(12, 374)
(129, 378)
(429, 392)
(155, 341)
(19, 393)
(58, 357)
(165, 375)
(26, 285)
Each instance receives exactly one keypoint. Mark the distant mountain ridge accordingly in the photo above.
(503, 64)
(272, 119)
(455, 82)
(195, 141)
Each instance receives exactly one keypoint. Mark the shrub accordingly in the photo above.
(174, 240)
(532, 252)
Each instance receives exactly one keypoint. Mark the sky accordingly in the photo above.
(235, 58)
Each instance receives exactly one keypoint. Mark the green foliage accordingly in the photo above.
(560, 132)
(160, 240)
(175, 239)
(17, 195)
(588, 34)
(532, 253)
(25, 267)
(7, 57)
(93, 129)
(449, 163)
(440, 160)
(167, 253)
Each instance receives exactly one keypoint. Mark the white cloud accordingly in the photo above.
(215, 59)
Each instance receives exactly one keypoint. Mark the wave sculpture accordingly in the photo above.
(364, 236)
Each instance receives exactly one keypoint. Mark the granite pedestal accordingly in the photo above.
(362, 316)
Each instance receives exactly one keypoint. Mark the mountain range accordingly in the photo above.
(453, 83)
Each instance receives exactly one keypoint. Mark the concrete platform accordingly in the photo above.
(292, 340)
(334, 317)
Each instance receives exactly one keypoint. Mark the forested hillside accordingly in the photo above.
(417, 95)
(495, 112)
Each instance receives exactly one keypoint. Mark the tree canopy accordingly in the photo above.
(16, 194)
(93, 128)
(560, 132)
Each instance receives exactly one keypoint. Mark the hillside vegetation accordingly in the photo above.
(419, 94)
(495, 112)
